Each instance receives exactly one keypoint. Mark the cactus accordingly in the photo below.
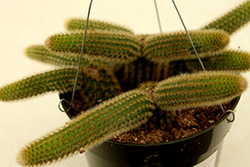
(74, 24)
(40, 53)
(93, 80)
(233, 20)
(177, 46)
(98, 43)
(227, 60)
(57, 80)
(130, 110)
(99, 84)
(119, 114)
(126, 80)
(199, 89)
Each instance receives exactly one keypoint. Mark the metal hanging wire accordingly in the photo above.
(79, 65)
(202, 65)
(158, 17)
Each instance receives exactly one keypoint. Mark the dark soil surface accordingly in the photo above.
(186, 123)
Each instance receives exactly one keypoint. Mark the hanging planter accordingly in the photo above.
(199, 150)
(122, 79)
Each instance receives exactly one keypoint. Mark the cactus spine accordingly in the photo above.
(122, 113)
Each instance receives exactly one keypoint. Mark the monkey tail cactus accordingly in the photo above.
(233, 20)
(130, 110)
(112, 45)
(226, 60)
(58, 80)
(122, 113)
(176, 46)
(199, 89)
(93, 79)
(114, 61)
(74, 24)
(42, 54)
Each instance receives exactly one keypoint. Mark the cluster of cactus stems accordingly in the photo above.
(132, 76)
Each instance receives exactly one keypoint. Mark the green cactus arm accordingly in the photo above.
(198, 89)
(233, 20)
(94, 80)
(227, 60)
(114, 116)
(113, 45)
(176, 46)
(73, 24)
(57, 80)
(40, 53)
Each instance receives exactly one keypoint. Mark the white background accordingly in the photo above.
(27, 22)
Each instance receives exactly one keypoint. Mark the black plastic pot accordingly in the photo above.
(200, 150)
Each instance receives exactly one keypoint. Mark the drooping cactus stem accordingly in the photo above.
(227, 60)
(40, 53)
(73, 24)
(176, 46)
(113, 45)
(198, 89)
(233, 20)
(57, 80)
(95, 82)
(122, 113)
